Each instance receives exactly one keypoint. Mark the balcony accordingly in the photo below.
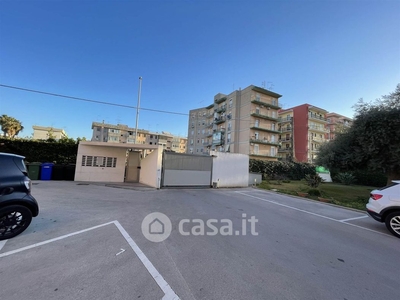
(210, 106)
(265, 104)
(219, 142)
(219, 120)
(317, 128)
(259, 114)
(263, 154)
(286, 129)
(207, 144)
(209, 115)
(220, 109)
(264, 142)
(220, 100)
(318, 140)
(286, 150)
(209, 134)
(286, 140)
(209, 125)
(317, 117)
(264, 128)
(284, 120)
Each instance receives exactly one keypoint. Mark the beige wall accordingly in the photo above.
(42, 133)
(100, 174)
(150, 172)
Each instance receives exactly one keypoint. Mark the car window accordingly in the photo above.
(20, 164)
(388, 186)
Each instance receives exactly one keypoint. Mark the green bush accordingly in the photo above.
(369, 178)
(313, 180)
(346, 178)
(281, 169)
(314, 192)
(63, 152)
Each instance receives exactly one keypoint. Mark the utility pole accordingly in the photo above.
(137, 108)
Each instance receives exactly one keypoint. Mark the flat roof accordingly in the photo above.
(120, 145)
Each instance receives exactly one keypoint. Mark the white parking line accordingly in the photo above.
(164, 286)
(2, 243)
(311, 213)
(356, 218)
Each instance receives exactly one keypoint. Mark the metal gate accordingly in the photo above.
(180, 169)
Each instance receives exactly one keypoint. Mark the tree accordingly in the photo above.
(10, 126)
(372, 142)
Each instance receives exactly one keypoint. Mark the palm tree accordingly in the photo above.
(10, 126)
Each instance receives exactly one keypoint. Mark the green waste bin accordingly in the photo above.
(34, 170)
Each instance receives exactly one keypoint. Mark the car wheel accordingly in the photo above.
(14, 219)
(392, 222)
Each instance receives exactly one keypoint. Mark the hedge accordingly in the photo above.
(274, 169)
(41, 151)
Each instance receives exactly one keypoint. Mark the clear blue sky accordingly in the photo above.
(326, 53)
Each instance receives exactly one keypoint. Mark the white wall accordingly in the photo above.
(150, 172)
(230, 169)
(100, 174)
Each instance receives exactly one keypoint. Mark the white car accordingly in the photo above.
(384, 206)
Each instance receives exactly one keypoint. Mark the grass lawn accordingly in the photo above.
(355, 196)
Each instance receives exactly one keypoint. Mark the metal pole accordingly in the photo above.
(137, 108)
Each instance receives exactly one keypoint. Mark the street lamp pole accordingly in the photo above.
(137, 109)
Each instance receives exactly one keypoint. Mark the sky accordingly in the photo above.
(325, 53)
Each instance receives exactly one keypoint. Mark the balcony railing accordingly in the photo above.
(264, 128)
(317, 128)
(266, 104)
(286, 140)
(263, 141)
(283, 120)
(285, 149)
(219, 120)
(317, 117)
(318, 140)
(220, 100)
(220, 109)
(263, 153)
(286, 129)
(263, 115)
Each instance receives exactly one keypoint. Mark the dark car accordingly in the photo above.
(17, 205)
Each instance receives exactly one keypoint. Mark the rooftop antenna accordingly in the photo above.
(271, 85)
(263, 84)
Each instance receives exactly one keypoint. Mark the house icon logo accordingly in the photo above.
(156, 227)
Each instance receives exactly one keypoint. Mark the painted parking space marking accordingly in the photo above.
(311, 213)
(356, 218)
(2, 243)
(169, 294)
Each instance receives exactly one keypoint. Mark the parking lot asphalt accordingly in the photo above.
(87, 243)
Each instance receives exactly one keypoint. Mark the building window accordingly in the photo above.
(230, 103)
(192, 132)
(99, 161)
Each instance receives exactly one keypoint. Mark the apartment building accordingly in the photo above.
(302, 130)
(244, 121)
(120, 133)
(336, 123)
(44, 133)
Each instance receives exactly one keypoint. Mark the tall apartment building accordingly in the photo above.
(44, 133)
(120, 133)
(302, 130)
(244, 121)
(336, 123)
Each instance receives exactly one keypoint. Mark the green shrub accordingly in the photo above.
(314, 192)
(313, 180)
(63, 152)
(369, 178)
(346, 178)
(281, 169)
